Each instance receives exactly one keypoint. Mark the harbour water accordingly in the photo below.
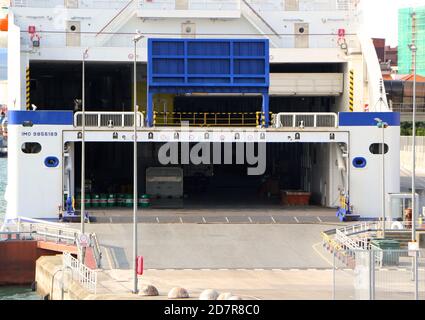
(11, 293)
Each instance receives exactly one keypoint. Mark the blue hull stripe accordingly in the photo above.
(16, 117)
(367, 119)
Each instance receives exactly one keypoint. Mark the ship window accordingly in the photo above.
(301, 30)
(31, 147)
(376, 148)
(359, 162)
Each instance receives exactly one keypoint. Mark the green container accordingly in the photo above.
(111, 200)
(144, 201)
(87, 200)
(78, 201)
(128, 200)
(120, 200)
(103, 201)
(387, 251)
(95, 201)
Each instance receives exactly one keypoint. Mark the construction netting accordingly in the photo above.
(411, 28)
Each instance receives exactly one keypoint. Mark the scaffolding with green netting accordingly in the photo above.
(411, 26)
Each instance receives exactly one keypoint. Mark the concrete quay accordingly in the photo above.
(314, 284)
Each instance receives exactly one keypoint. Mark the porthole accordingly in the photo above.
(31, 147)
(359, 162)
(51, 162)
(301, 30)
(73, 28)
(376, 148)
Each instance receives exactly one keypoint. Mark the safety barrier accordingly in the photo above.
(378, 274)
(191, 5)
(108, 119)
(86, 276)
(306, 120)
(48, 231)
(209, 119)
(56, 232)
(347, 237)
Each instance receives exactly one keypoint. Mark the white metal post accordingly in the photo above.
(135, 280)
(83, 146)
(333, 276)
(383, 181)
(414, 148)
(415, 258)
(135, 289)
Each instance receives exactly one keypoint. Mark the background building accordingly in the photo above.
(411, 29)
(379, 44)
(391, 55)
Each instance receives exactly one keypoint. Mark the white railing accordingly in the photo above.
(191, 5)
(108, 119)
(86, 276)
(347, 236)
(56, 232)
(304, 5)
(358, 228)
(348, 242)
(306, 120)
(81, 4)
(48, 231)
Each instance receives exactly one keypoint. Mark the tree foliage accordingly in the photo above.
(406, 128)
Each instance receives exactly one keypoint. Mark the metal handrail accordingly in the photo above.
(48, 230)
(344, 235)
(208, 119)
(96, 249)
(261, 18)
(306, 120)
(116, 16)
(86, 276)
(60, 233)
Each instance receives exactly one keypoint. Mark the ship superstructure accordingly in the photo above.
(294, 80)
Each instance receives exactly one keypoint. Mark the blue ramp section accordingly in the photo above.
(367, 119)
(208, 66)
(41, 117)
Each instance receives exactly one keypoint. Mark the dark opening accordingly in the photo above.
(376, 148)
(306, 68)
(56, 85)
(31, 147)
(289, 166)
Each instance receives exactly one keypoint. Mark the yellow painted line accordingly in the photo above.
(314, 246)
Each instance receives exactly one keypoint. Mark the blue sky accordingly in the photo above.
(381, 17)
